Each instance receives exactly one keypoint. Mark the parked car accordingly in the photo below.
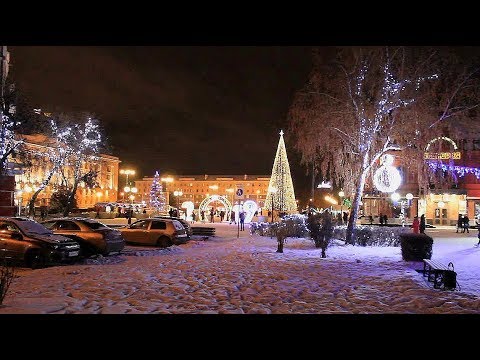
(154, 231)
(185, 223)
(25, 240)
(93, 236)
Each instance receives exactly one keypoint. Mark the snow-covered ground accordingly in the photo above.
(228, 275)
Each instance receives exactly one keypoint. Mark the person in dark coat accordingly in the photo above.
(423, 225)
(345, 217)
(459, 222)
(381, 219)
(466, 224)
(242, 220)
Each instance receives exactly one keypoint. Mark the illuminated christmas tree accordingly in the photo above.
(157, 197)
(281, 185)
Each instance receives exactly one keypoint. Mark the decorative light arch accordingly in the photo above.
(209, 199)
(455, 147)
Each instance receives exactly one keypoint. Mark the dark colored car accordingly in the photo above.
(185, 223)
(93, 236)
(154, 231)
(26, 240)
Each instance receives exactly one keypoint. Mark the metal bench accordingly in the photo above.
(203, 231)
(434, 271)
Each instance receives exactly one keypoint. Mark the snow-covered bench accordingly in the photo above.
(433, 270)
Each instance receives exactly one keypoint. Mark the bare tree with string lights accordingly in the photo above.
(360, 104)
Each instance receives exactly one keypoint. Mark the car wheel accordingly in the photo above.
(164, 241)
(36, 260)
(88, 251)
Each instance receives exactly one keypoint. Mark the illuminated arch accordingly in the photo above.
(455, 147)
(209, 199)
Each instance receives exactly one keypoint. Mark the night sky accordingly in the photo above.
(191, 110)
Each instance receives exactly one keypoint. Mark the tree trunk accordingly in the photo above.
(71, 196)
(280, 246)
(323, 253)
(31, 204)
(354, 210)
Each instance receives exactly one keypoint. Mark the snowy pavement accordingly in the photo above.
(228, 275)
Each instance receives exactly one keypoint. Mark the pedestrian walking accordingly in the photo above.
(242, 220)
(423, 225)
(459, 222)
(416, 225)
(466, 224)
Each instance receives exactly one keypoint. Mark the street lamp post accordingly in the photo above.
(342, 195)
(127, 172)
(177, 194)
(20, 201)
(167, 180)
(272, 190)
(128, 189)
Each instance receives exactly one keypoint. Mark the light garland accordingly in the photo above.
(458, 170)
(455, 147)
(281, 179)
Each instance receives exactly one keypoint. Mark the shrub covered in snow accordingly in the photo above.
(294, 226)
(366, 235)
(416, 247)
(261, 228)
(288, 226)
(321, 230)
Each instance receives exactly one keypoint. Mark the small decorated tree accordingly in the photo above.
(157, 196)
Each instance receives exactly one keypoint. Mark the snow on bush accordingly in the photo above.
(366, 235)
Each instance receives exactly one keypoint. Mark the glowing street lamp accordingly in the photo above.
(127, 172)
(19, 201)
(177, 194)
(395, 196)
(342, 195)
(132, 190)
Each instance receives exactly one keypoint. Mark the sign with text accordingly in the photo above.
(443, 155)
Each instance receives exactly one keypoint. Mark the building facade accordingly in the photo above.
(28, 178)
(459, 161)
(207, 190)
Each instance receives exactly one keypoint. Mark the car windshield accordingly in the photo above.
(178, 225)
(94, 225)
(32, 227)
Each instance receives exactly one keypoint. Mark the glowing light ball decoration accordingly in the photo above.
(249, 207)
(387, 178)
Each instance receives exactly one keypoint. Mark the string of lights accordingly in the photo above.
(458, 170)
(281, 180)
